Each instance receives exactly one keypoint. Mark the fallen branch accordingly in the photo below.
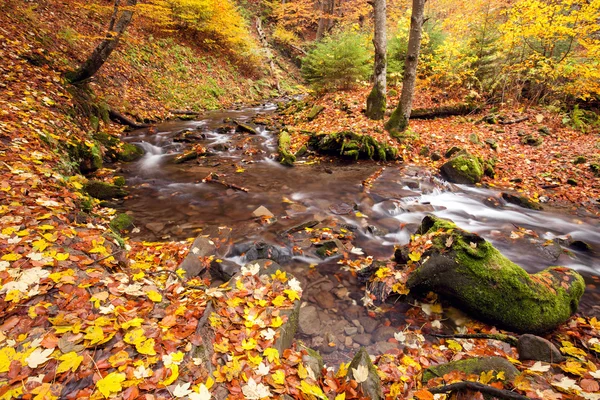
(124, 120)
(478, 387)
(210, 179)
(503, 338)
(443, 111)
(514, 121)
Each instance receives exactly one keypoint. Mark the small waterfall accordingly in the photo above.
(152, 157)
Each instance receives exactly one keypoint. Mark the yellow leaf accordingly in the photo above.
(146, 347)
(11, 257)
(454, 345)
(249, 344)
(7, 354)
(272, 355)
(570, 349)
(46, 227)
(134, 323)
(278, 377)
(40, 245)
(69, 361)
(302, 372)
(486, 377)
(110, 384)
(415, 256)
(174, 375)
(94, 334)
(135, 336)
(276, 322)
(292, 294)
(312, 390)
(278, 301)
(61, 256)
(44, 392)
(154, 296)
(341, 396)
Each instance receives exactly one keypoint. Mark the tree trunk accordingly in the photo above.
(398, 121)
(118, 25)
(325, 20)
(376, 101)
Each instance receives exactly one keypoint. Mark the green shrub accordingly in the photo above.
(338, 61)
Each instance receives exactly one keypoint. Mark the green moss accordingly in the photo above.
(315, 111)
(353, 145)
(121, 223)
(463, 168)
(187, 156)
(119, 181)
(396, 124)
(285, 156)
(129, 152)
(376, 104)
(103, 191)
(86, 155)
(498, 290)
(472, 366)
(117, 150)
(595, 168)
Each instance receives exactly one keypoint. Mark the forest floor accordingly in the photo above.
(85, 313)
(560, 169)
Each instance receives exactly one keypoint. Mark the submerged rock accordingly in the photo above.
(469, 270)
(521, 201)
(262, 250)
(371, 386)
(191, 264)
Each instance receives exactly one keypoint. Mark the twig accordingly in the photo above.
(323, 279)
(209, 179)
(479, 387)
(503, 338)
(513, 121)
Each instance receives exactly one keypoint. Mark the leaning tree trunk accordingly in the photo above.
(118, 24)
(376, 101)
(398, 121)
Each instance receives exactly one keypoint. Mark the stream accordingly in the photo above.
(170, 201)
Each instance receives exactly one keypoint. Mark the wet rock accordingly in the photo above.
(288, 330)
(382, 348)
(341, 293)
(532, 140)
(369, 324)
(341, 208)
(531, 347)
(312, 360)
(188, 136)
(348, 341)
(572, 182)
(550, 250)
(372, 386)
(225, 129)
(350, 330)
(452, 151)
(223, 269)
(261, 250)
(325, 300)
(463, 168)
(473, 366)
(329, 248)
(363, 339)
(309, 322)
(242, 127)
(326, 286)
(220, 147)
(435, 156)
(353, 313)
(424, 151)
(579, 160)
(383, 333)
(201, 247)
(521, 201)
(262, 211)
(104, 191)
(492, 143)
(373, 230)
(391, 224)
(155, 227)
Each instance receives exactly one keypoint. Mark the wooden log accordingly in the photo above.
(443, 111)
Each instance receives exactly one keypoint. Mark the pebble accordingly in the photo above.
(364, 339)
(325, 300)
(351, 330)
(370, 324)
(384, 333)
(341, 293)
(348, 341)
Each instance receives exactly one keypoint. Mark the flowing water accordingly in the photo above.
(171, 201)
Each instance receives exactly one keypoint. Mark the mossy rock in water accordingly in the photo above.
(129, 152)
(104, 191)
(472, 366)
(371, 387)
(121, 223)
(463, 168)
(116, 149)
(521, 201)
(187, 156)
(353, 145)
(468, 270)
(285, 156)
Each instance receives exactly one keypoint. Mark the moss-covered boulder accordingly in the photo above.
(121, 223)
(315, 111)
(285, 156)
(371, 386)
(104, 191)
(353, 145)
(467, 269)
(86, 155)
(117, 150)
(462, 168)
(472, 366)
(521, 201)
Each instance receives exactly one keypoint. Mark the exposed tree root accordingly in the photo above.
(479, 387)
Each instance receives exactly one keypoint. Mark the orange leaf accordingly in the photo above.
(424, 394)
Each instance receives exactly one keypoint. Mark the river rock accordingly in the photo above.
(309, 322)
(155, 227)
(382, 348)
(383, 333)
(262, 211)
(531, 347)
(261, 250)
(329, 248)
(325, 300)
(473, 366)
(312, 360)
(201, 247)
(469, 270)
(242, 127)
(223, 269)
(521, 201)
(462, 168)
(369, 324)
(363, 339)
(372, 386)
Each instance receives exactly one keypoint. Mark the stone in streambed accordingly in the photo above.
(463, 168)
(104, 191)
(531, 347)
(477, 277)
(262, 211)
(371, 387)
(201, 247)
(309, 321)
